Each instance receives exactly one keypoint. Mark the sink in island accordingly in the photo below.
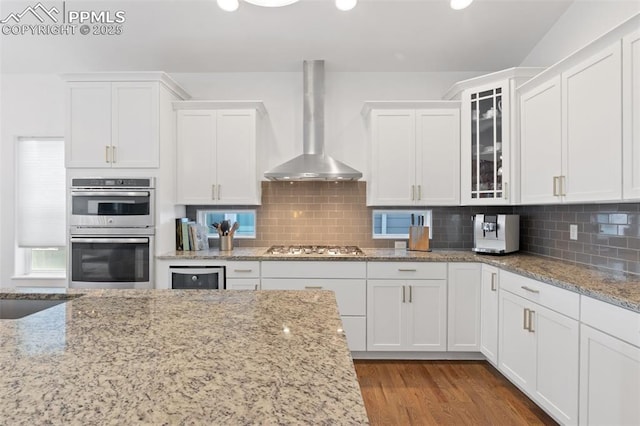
(180, 357)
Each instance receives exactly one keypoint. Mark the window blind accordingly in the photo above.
(40, 192)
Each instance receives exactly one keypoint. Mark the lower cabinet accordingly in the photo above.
(489, 313)
(345, 279)
(407, 307)
(539, 348)
(464, 289)
(609, 364)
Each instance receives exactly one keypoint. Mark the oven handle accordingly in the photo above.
(111, 240)
(111, 193)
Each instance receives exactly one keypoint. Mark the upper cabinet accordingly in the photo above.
(579, 124)
(631, 115)
(488, 130)
(113, 119)
(414, 152)
(217, 161)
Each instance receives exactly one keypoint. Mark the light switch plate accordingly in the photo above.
(573, 232)
(401, 244)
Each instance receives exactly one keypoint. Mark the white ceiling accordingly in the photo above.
(378, 35)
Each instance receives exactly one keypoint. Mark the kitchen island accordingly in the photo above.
(179, 357)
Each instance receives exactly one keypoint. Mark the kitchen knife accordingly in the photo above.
(412, 219)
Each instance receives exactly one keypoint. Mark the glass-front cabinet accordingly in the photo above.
(485, 144)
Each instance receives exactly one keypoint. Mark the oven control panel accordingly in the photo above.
(113, 182)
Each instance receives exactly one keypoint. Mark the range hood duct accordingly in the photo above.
(313, 164)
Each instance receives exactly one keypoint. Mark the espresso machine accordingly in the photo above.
(496, 233)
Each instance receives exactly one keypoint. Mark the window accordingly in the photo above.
(245, 218)
(40, 206)
(395, 223)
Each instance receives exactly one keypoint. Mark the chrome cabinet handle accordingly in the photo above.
(219, 190)
(410, 294)
(313, 287)
(255, 287)
(529, 289)
(563, 185)
(406, 270)
(106, 153)
(403, 298)
(555, 186)
(419, 192)
(531, 313)
(113, 154)
(413, 192)
(505, 191)
(493, 282)
(242, 270)
(213, 192)
(526, 319)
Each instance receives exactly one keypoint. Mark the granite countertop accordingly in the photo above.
(617, 288)
(179, 357)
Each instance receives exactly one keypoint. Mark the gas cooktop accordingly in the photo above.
(315, 250)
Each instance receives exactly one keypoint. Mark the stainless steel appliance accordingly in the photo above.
(111, 232)
(116, 203)
(197, 277)
(314, 250)
(496, 233)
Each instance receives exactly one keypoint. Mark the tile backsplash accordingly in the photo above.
(336, 213)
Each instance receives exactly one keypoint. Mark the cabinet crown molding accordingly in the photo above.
(371, 105)
(195, 105)
(516, 72)
(133, 76)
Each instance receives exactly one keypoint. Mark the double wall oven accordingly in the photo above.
(111, 232)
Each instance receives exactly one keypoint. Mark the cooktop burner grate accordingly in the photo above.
(301, 250)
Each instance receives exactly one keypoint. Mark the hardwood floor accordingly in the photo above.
(443, 393)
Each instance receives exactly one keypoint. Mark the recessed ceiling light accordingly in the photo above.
(460, 4)
(271, 3)
(346, 4)
(228, 5)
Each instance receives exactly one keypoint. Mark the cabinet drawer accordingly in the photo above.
(313, 269)
(619, 322)
(407, 270)
(558, 299)
(351, 295)
(243, 269)
(243, 284)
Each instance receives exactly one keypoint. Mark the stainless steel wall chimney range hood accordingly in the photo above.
(313, 164)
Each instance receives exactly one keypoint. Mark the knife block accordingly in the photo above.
(419, 238)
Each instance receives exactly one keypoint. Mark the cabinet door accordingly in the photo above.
(426, 317)
(541, 143)
(135, 137)
(237, 179)
(392, 179)
(385, 315)
(631, 115)
(438, 152)
(489, 310)
(609, 380)
(463, 326)
(195, 157)
(557, 360)
(88, 137)
(592, 128)
(517, 345)
(484, 142)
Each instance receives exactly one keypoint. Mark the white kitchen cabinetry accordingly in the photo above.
(113, 119)
(631, 115)
(242, 275)
(406, 306)
(489, 313)
(580, 125)
(488, 140)
(414, 153)
(346, 279)
(217, 153)
(609, 364)
(464, 290)
(538, 345)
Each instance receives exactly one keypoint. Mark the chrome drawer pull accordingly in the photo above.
(529, 289)
(410, 294)
(242, 270)
(312, 287)
(493, 282)
(403, 298)
(526, 319)
(406, 270)
(531, 321)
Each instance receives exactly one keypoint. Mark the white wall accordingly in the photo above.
(345, 93)
(31, 105)
(583, 22)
